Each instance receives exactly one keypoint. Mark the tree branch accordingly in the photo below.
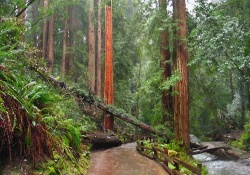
(25, 8)
(14, 9)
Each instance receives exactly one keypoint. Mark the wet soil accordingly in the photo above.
(123, 160)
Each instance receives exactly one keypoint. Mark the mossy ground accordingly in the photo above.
(59, 165)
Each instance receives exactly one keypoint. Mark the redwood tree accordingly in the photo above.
(108, 83)
(50, 44)
(71, 37)
(64, 47)
(165, 65)
(180, 59)
(91, 47)
(45, 31)
(99, 52)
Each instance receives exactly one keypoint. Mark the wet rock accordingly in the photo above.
(194, 141)
(102, 140)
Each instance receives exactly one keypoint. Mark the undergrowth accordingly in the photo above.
(244, 141)
(37, 122)
(174, 150)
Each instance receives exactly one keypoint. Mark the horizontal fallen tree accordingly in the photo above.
(210, 150)
(222, 152)
(91, 99)
(102, 140)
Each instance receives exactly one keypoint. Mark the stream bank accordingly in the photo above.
(216, 166)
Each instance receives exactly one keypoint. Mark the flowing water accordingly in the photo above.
(221, 167)
(216, 166)
(123, 160)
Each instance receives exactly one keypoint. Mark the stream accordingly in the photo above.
(216, 166)
(222, 167)
(125, 160)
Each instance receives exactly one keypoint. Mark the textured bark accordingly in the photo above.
(231, 85)
(102, 140)
(99, 52)
(51, 44)
(91, 48)
(22, 20)
(21, 11)
(108, 83)
(40, 37)
(71, 38)
(165, 65)
(181, 100)
(64, 48)
(22, 17)
(45, 32)
(34, 9)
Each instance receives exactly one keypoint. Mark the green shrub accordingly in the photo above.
(244, 141)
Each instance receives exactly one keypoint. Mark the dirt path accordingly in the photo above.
(123, 160)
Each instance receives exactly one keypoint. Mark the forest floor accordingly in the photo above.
(123, 160)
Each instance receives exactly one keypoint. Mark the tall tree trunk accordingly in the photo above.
(181, 100)
(165, 65)
(242, 92)
(108, 83)
(34, 37)
(22, 16)
(45, 32)
(231, 85)
(22, 20)
(64, 48)
(99, 53)
(71, 39)
(137, 110)
(91, 48)
(40, 35)
(51, 44)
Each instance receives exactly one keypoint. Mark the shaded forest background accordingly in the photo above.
(67, 34)
(66, 39)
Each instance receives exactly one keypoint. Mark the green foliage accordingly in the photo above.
(33, 115)
(174, 150)
(244, 141)
(1, 106)
(61, 165)
(125, 49)
(219, 65)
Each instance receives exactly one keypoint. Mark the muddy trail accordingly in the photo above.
(123, 160)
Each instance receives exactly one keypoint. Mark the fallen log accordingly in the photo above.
(223, 153)
(199, 148)
(102, 140)
(210, 150)
(89, 98)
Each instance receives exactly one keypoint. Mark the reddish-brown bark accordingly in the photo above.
(165, 65)
(91, 48)
(99, 52)
(45, 32)
(180, 59)
(64, 47)
(108, 84)
(51, 44)
(71, 37)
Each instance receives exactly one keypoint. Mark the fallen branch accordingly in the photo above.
(29, 3)
(210, 150)
(89, 98)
